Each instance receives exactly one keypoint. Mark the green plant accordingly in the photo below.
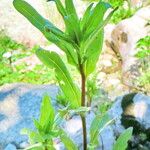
(122, 141)
(125, 10)
(47, 129)
(143, 47)
(143, 54)
(7, 44)
(82, 43)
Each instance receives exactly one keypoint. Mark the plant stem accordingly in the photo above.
(83, 118)
(84, 132)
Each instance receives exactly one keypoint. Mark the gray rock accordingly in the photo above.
(132, 110)
(135, 105)
(123, 41)
(10, 147)
(74, 128)
(24, 145)
(19, 104)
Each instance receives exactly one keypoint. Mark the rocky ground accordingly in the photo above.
(20, 103)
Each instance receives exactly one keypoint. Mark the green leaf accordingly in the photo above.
(93, 46)
(97, 31)
(96, 17)
(86, 16)
(122, 141)
(73, 28)
(71, 9)
(71, 91)
(72, 21)
(51, 32)
(69, 144)
(30, 13)
(47, 114)
(37, 125)
(34, 137)
(37, 146)
(34, 17)
(93, 52)
(98, 124)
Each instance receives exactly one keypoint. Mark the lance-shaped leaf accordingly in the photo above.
(70, 9)
(51, 32)
(32, 15)
(122, 141)
(97, 31)
(86, 16)
(34, 136)
(98, 124)
(69, 144)
(71, 91)
(47, 114)
(93, 46)
(95, 17)
(65, 46)
(70, 19)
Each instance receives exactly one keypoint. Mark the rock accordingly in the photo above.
(123, 41)
(19, 104)
(74, 128)
(132, 110)
(24, 145)
(131, 106)
(10, 147)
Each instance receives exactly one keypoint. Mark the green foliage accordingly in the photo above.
(143, 47)
(7, 44)
(69, 144)
(125, 10)
(143, 54)
(122, 14)
(122, 141)
(78, 47)
(52, 60)
(82, 43)
(104, 106)
(11, 70)
(18, 73)
(47, 129)
(145, 79)
(98, 124)
(92, 89)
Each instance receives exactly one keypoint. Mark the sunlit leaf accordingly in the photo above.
(71, 91)
(122, 141)
(69, 144)
(47, 114)
(98, 124)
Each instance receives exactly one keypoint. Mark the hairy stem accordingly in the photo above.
(83, 103)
